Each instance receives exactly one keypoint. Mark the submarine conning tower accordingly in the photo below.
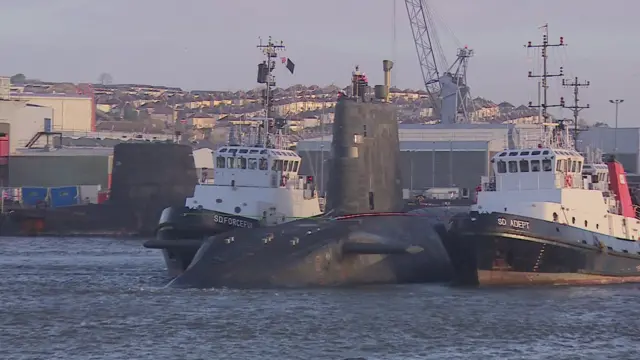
(365, 164)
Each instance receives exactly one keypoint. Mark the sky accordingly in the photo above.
(211, 44)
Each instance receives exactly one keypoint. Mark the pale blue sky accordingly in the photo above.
(210, 44)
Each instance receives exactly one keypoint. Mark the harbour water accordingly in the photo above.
(105, 299)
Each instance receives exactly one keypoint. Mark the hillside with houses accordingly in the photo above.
(207, 115)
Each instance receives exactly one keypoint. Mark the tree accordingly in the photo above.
(18, 79)
(105, 79)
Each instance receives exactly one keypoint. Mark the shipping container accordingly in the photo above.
(33, 196)
(103, 196)
(89, 194)
(64, 196)
(56, 171)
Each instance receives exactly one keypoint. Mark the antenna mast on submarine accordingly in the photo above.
(545, 75)
(576, 85)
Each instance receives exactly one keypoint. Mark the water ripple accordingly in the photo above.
(106, 299)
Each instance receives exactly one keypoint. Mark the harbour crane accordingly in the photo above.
(448, 92)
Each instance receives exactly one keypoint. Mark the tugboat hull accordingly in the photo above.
(181, 232)
(503, 249)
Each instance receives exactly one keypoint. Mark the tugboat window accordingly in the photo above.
(579, 167)
(514, 153)
(264, 165)
(524, 166)
(546, 165)
(285, 167)
(574, 165)
(555, 216)
(502, 167)
(231, 162)
(295, 166)
(253, 164)
(559, 165)
(277, 165)
(243, 163)
(546, 152)
(573, 220)
(290, 165)
(535, 152)
(535, 165)
(513, 166)
(220, 162)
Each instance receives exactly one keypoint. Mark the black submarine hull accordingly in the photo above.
(362, 249)
(146, 179)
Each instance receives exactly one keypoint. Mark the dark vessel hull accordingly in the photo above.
(181, 232)
(146, 178)
(81, 220)
(351, 250)
(503, 249)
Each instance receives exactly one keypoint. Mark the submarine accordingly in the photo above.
(146, 178)
(363, 238)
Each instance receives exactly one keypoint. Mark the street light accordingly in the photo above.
(615, 134)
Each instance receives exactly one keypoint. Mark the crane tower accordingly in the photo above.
(449, 93)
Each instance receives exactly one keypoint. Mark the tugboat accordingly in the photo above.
(256, 183)
(546, 217)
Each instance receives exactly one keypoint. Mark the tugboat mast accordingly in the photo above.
(576, 85)
(265, 72)
(545, 76)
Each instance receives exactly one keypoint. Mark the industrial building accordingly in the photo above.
(623, 142)
(61, 167)
(439, 155)
(20, 121)
(70, 112)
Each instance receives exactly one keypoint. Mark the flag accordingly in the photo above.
(284, 60)
(290, 65)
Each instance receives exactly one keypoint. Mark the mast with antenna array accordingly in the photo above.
(265, 72)
(270, 125)
(544, 105)
(576, 85)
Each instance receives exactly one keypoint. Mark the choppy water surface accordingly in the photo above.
(105, 299)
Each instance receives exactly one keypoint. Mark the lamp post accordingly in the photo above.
(616, 102)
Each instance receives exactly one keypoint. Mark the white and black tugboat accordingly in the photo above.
(546, 217)
(256, 183)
